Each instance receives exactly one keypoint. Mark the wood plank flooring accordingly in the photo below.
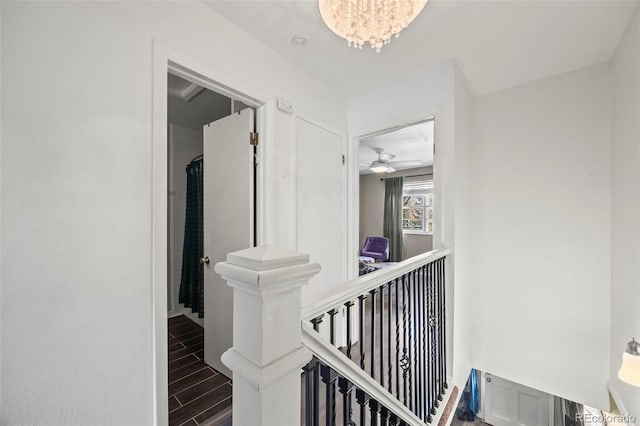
(198, 394)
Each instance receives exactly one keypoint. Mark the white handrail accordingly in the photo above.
(365, 283)
(346, 368)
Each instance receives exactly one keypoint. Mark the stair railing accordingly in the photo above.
(383, 358)
(390, 324)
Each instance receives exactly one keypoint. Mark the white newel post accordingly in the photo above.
(267, 352)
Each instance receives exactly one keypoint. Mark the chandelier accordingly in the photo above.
(373, 21)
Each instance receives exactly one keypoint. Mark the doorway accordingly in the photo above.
(211, 212)
(247, 106)
(403, 228)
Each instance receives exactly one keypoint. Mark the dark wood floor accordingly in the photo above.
(198, 394)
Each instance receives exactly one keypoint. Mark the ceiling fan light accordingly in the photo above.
(378, 168)
(381, 167)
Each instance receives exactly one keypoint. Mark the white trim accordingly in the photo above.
(353, 207)
(167, 59)
(363, 284)
(353, 178)
(264, 126)
(262, 377)
(406, 231)
(191, 91)
(267, 282)
(482, 380)
(615, 395)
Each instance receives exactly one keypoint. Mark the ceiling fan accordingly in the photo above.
(384, 164)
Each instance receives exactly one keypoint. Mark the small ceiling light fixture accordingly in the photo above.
(375, 21)
(630, 370)
(381, 166)
(298, 41)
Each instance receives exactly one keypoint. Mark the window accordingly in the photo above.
(417, 207)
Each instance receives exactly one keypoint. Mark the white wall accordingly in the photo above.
(76, 194)
(625, 206)
(1, 302)
(464, 290)
(184, 145)
(372, 212)
(540, 258)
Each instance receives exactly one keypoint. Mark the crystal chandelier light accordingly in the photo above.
(375, 21)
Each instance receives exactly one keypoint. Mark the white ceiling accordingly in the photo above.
(498, 44)
(407, 144)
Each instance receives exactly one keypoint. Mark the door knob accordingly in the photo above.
(204, 260)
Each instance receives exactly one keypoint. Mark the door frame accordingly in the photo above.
(354, 183)
(167, 59)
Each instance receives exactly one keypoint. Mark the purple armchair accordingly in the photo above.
(376, 247)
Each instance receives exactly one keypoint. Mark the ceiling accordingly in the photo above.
(193, 106)
(407, 144)
(498, 44)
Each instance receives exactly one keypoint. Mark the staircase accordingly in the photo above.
(372, 354)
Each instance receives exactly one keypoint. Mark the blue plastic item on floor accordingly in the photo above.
(470, 401)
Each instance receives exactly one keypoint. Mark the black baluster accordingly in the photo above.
(438, 306)
(316, 395)
(389, 364)
(405, 359)
(312, 391)
(438, 335)
(308, 392)
(419, 343)
(329, 379)
(373, 333)
(332, 326)
(393, 420)
(416, 315)
(361, 305)
(362, 399)
(384, 415)
(425, 318)
(433, 353)
(373, 409)
(410, 339)
(429, 341)
(316, 322)
(444, 325)
(345, 388)
(397, 340)
(381, 341)
(440, 331)
(349, 304)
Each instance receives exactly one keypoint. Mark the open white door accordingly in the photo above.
(228, 221)
(511, 404)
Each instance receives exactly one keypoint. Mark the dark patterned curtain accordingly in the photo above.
(192, 279)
